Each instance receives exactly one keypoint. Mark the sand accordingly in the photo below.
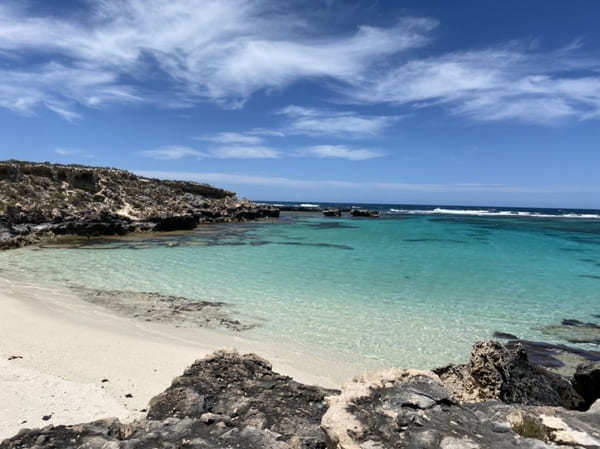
(81, 362)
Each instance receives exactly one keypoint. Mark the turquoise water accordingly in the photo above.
(403, 290)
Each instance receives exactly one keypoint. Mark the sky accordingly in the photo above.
(472, 102)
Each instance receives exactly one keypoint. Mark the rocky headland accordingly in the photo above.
(500, 399)
(42, 201)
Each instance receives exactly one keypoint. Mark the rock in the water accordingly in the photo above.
(503, 372)
(574, 331)
(505, 336)
(332, 212)
(586, 382)
(365, 213)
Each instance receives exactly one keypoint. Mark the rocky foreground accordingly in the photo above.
(40, 201)
(498, 400)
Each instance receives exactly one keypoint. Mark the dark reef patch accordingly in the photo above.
(590, 276)
(330, 225)
(505, 336)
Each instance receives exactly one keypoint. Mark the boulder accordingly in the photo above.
(586, 382)
(365, 213)
(503, 372)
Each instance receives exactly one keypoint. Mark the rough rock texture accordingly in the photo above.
(503, 372)
(228, 401)
(586, 382)
(154, 307)
(44, 200)
(412, 409)
(223, 401)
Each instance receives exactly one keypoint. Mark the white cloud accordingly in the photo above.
(325, 122)
(302, 184)
(496, 84)
(342, 152)
(244, 152)
(73, 152)
(172, 153)
(176, 152)
(183, 52)
(208, 50)
(231, 137)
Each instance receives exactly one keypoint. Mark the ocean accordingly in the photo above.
(413, 288)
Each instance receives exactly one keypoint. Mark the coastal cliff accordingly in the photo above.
(43, 200)
(228, 400)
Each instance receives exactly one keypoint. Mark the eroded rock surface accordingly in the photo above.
(223, 401)
(504, 372)
(154, 307)
(412, 409)
(41, 200)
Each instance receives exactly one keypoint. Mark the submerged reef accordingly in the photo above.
(499, 399)
(40, 201)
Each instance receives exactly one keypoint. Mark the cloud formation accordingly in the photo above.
(184, 52)
(323, 122)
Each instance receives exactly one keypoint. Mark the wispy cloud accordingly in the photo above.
(341, 152)
(304, 184)
(103, 56)
(260, 47)
(173, 153)
(73, 152)
(510, 83)
(233, 151)
(327, 122)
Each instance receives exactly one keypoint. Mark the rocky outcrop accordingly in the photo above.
(504, 373)
(223, 401)
(586, 382)
(413, 409)
(365, 213)
(228, 401)
(332, 212)
(42, 200)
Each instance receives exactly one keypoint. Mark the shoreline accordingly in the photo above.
(72, 361)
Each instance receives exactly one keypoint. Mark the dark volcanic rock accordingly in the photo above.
(503, 372)
(586, 382)
(224, 401)
(365, 213)
(41, 201)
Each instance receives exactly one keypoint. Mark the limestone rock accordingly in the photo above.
(503, 372)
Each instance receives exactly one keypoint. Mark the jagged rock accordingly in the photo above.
(224, 401)
(412, 409)
(586, 382)
(503, 372)
(365, 213)
(332, 212)
(41, 200)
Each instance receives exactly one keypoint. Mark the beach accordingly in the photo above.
(81, 362)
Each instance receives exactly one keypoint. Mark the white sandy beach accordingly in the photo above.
(68, 347)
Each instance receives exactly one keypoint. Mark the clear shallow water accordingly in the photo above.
(405, 290)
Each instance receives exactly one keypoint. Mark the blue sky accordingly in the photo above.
(467, 102)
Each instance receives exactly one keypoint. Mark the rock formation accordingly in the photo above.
(232, 401)
(332, 213)
(365, 213)
(503, 372)
(42, 200)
